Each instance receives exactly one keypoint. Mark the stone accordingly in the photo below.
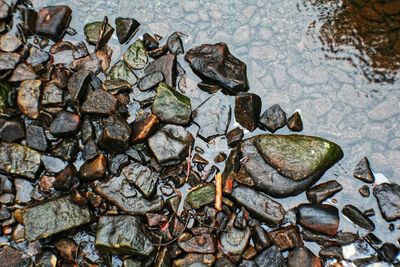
(273, 118)
(5, 91)
(24, 190)
(247, 110)
(53, 164)
(8, 61)
(100, 102)
(357, 217)
(321, 192)
(363, 171)
(65, 124)
(271, 257)
(117, 86)
(194, 259)
(5, 184)
(92, 33)
(115, 135)
(11, 130)
(167, 66)
(297, 156)
(9, 42)
(52, 21)
(364, 191)
(201, 196)
(203, 243)
(22, 73)
(341, 239)
(216, 63)
(80, 50)
(78, 84)
(61, 214)
(260, 205)
(331, 253)
(171, 106)
(90, 151)
(121, 71)
(126, 28)
(286, 237)
(92, 63)
(37, 57)
(28, 98)
(150, 42)
(234, 241)
(213, 116)
(388, 197)
(136, 56)
(120, 193)
(319, 218)
(234, 136)
(303, 257)
(170, 144)
(157, 52)
(174, 43)
(144, 126)
(150, 81)
(52, 95)
(67, 149)
(67, 248)
(66, 179)
(19, 160)
(14, 257)
(143, 178)
(4, 10)
(117, 162)
(123, 234)
(295, 123)
(35, 138)
(94, 169)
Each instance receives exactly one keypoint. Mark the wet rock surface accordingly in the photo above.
(357, 217)
(125, 28)
(319, 218)
(388, 196)
(363, 171)
(52, 21)
(100, 102)
(11, 130)
(29, 98)
(321, 192)
(167, 66)
(273, 118)
(65, 123)
(247, 110)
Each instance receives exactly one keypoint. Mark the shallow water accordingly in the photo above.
(312, 56)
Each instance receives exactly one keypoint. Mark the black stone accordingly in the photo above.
(319, 218)
(78, 84)
(150, 81)
(341, 239)
(65, 123)
(260, 237)
(271, 257)
(234, 136)
(89, 150)
(52, 21)
(99, 102)
(174, 43)
(247, 110)
(66, 149)
(322, 192)
(167, 65)
(126, 28)
(388, 196)
(363, 171)
(273, 118)
(364, 191)
(115, 135)
(149, 41)
(295, 123)
(66, 179)
(357, 217)
(11, 130)
(389, 252)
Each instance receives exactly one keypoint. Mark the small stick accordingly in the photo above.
(218, 191)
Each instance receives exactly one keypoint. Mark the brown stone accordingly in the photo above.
(287, 237)
(143, 127)
(94, 169)
(28, 98)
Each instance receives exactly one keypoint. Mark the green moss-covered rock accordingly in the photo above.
(136, 56)
(171, 106)
(298, 156)
(5, 89)
(201, 196)
(92, 31)
(52, 217)
(123, 234)
(121, 71)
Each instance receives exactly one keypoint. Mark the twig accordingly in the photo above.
(189, 162)
(218, 191)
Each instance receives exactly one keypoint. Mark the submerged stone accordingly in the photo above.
(115, 135)
(28, 98)
(170, 144)
(216, 63)
(143, 126)
(363, 171)
(52, 217)
(261, 206)
(174, 43)
(388, 196)
(92, 32)
(123, 234)
(297, 156)
(171, 106)
(201, 196)
(65, 123)
(52, 21)
(94, 169)
(100, 102)
(126, 28)
(357, 217)
(273, 118)
(121, 71)
(247, 110)
(136, 56)
(167, 65)
(142, 177)
(19, 160)
(319, 218)
(295, 123)
(150, 81)
(271, 257)
(11, 130)
(303, 257)
(322, 192)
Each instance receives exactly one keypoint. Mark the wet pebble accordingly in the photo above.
(322, 192)
(303, 257)
(364, 191)
(52, 21)
(28, 97)
(333, 252)
(125, 28)
(78, 84)
(286, 237)
(143, 126)
(357, 217)
(273, 118)
(295, 123)
(99, 102)
(203, 243)
(136, 56)
(93, 169)
(117, 86)
(271, 256)
(66, 179)
(174, 43)
(65, 123)
(167, 66)
(11, 130)
(234, 136)
(23, 190)
(92, 32)
(363, 171)
(388, 196)
(150, 81)
(52, 95)
(121, 71)
(115, 135)
(53, 164)
(319, 218)
(9, 42)
(201, 196)
(247, 110)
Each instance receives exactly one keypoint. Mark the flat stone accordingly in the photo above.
(357, 217)
(115, 135)
(117, 162)
(52, 21)
(8, 61)
(23, 72)
(388, 196)
(201, 196)
(37, 57)
(203, 243)
(142, 177)
(303, 257)
(117, 86)
(92, 63)
(322, 192)
(216, 63)
(271, 257)
(65, 123)
(136, 56)
(61, 214)
(99, 102)
(28, 98)
(35, 138)
(295, 123)
(247, 110)
(19, 160)
(94, 169)
(167, 65)
(171, 106)
(363, 171)
(150, 81)
(234, 241)
(120, 193)
(263, 207)
(53, 164)
(78, 84)
(319, 218)
(297, 156)
(121, 71)
(11, 130)
(9, 42)
(126, 28)
(174, 43)
(24, 190)
(52, 95)
(341, 239)
(170, 144)
(144, 126)
(286, 237)
(123, 234)
(273, 118)
(92, 32)
(194, 259)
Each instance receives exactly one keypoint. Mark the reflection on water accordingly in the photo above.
(365, 32)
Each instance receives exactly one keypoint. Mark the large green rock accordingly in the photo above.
(201, 196)
(171, 106)
(297, 156)
(136, 56)
(52, 217)
(123, 234)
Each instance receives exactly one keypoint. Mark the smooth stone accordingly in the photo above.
(24, 190)
(319, 218)
(331, 253)
(94, 169)
(35, 138)
(170, 144)
(150, 42)
(22, 73)
(388, 197)
(119, 192)
(216, 63)
(121, 71)
(174, 43)
(65, 123)
(171, 106)
(213, 116)
(363, 171)
(66, 179)
(52, 95)
(303, 257)
(125, 28)
(150, 81)
(167, 66)
(194, 259)
(19, 160)
(271, 257)
(92, 32)
(136, 56)
(234, 241)
(8, 61)
(37, 57)
(144, 179)
(286, 237)
(203, 243)
(28, 98)
(364, 191)
(67, 149)
(53, 164)
(11, 130)
(273, 118)
(9, 42)
(144, 126)
(247, 110)
(322, 192)
(52, 21)
(295, 123)
(115, 135)
(297, 156)
(201, 196)
(341, 238)
(78, 84)
(357, 217)
(261, 206)
(99, 102)
(234, 136)
(117, 86)
(61, 214)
